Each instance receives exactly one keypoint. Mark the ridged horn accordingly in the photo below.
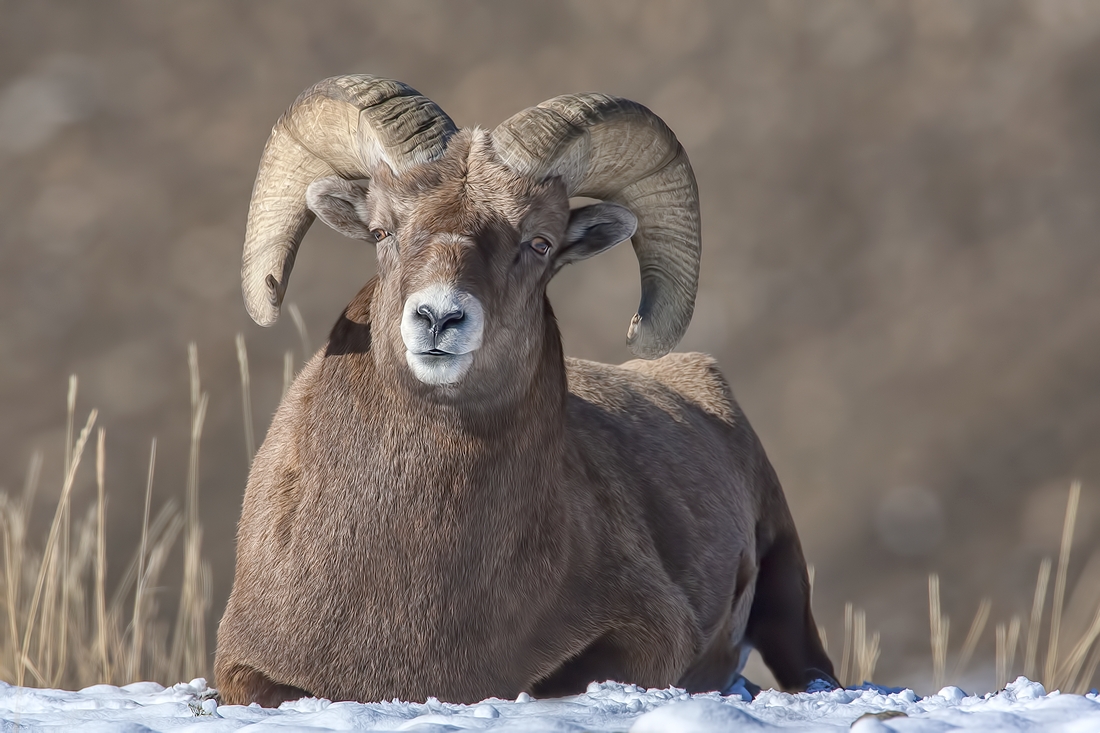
(344, 125)
(617, 150)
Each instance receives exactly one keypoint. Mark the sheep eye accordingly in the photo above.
(540, 245)
(379, 234)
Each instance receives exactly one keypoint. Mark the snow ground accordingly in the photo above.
(146, 706)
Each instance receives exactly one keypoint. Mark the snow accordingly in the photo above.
(145, 706)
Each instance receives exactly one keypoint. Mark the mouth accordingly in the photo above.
(438, 367)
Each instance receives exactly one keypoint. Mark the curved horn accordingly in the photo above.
(344, 125)
(617, 150)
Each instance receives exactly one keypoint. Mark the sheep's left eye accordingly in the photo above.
(541, 245)
(379, 234)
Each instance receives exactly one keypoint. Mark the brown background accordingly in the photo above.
(900, 275)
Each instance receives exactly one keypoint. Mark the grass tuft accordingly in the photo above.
(1073, 673)
(861, 652)
(864, 649)
(60, 630)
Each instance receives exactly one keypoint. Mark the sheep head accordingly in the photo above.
(471, 225)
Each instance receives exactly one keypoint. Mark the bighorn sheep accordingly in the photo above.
(445, 505)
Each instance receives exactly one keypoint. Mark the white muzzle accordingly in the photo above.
(441, 327)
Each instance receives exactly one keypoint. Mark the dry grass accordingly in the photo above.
(865, 651)
(861, 651)
(1070, 672)
(246, 399)
(1071, 669)
(972, 636)
(288, 372)
(1074, 672)
(1007, 638)
(300, 327)
(60, 628)
(940, 631)
(1036, 620)
(1060, 583)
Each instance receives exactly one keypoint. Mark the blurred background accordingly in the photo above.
(901, 273)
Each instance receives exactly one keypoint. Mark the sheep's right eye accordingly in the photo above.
(378, 234)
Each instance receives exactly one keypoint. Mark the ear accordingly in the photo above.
(342, 204)
(592, 229)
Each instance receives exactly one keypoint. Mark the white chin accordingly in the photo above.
(437, 370)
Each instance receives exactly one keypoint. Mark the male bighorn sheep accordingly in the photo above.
(445, 505)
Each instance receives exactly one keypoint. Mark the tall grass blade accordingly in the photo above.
(1060, 584)
(51, 543)
(300, 325)
(1071, 667)
(189, 642)
(15, 542)
(82, 646)
(1001, 636)
(977, 626)
(55, 611)
(133, 670)
(160, 523)
(101, 558)
(846, 657)
(1084, 684)
(940, 627)
(1011, 643)
(1032, 648)
(866, 650)
(70, 404)
(288, 373)
(30, 486)
(246, 400)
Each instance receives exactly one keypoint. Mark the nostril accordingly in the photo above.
(453, 318)
(437, 322)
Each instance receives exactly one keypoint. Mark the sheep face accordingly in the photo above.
(465, 251)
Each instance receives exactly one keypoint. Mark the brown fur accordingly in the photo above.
(542, 524)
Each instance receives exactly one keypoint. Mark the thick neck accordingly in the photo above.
(516, 430)
(525, 420)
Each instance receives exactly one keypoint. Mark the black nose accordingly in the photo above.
(438, 322)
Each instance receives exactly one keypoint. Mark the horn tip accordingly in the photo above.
(643, 342)
(264, 315)
(264, 309)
